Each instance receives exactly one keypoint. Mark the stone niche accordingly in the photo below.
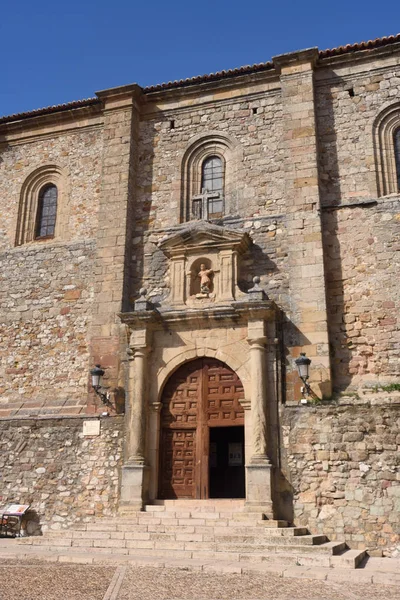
(204, 263)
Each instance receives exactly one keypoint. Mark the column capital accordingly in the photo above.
(258, 342)
(138, 352)
(140, 339)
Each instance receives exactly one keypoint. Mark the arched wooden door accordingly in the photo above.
(200, 395)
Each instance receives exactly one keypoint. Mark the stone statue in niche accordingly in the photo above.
(205, 279)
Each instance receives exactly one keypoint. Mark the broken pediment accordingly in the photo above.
(199, 247)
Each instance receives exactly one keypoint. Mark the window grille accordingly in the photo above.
(212, 181)
(47, 212)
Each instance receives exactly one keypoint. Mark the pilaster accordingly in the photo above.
(307, 329)
(115, 224)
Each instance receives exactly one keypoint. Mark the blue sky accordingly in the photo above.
(54, 52)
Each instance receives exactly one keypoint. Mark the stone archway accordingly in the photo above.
(201, 445)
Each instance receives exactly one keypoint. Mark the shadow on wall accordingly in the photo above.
(283, 501)
(331, 197)
(31, 524)
(255, 263)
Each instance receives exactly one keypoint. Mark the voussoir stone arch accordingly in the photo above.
(29, 198)
(240, 368)
(200, 147)
(385, 126)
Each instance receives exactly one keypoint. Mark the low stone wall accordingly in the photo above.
(341, 465)
(64, 475)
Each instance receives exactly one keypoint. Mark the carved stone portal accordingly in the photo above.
(204, 263)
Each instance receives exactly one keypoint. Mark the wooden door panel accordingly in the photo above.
(202, 393)
(223, 390)
(181, 397)
(178, 463)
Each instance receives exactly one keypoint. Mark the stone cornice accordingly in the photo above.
(51, 124)
(234, 312)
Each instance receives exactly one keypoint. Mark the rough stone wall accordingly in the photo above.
(362, 259)
(45, 302)
(345, 126)
(65, 476)
(341, 463)
(46, 287)
(79, 155)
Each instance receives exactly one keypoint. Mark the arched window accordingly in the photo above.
(43, 206)
(46, 212)
(397, 155)
(209, 203)
(212, 168)
(387, 149)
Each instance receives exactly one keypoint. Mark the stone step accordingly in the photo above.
(206, 531)
(209, 504)
(311, 544)
(348, 559)
(194, 514)
(144, 519)
(378, 571)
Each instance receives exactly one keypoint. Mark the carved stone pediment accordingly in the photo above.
(201, 234)
(204, 263)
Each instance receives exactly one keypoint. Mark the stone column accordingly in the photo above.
(259, 488)
(135, 471)
(258, 399)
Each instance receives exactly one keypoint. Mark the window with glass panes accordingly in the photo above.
(47, 212)
(212, 180)
(397, 155)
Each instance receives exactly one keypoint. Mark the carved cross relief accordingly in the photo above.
(201, 204)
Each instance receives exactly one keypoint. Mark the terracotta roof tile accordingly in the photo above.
(376, 43)
(50, 109)
(210, 77)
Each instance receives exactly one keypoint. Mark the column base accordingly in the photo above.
(134, 485)
(259, 486)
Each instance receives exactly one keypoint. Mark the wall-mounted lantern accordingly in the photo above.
(303, 367)
(96, 374)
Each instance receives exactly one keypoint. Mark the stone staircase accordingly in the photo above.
(194, 531)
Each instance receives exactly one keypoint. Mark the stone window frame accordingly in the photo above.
(200, 148)
(385, 126)
(29, 204)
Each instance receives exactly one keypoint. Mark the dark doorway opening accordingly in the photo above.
(226, 462)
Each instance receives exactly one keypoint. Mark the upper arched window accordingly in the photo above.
(211, 169)
(209, 203)
(387, 149)
(43, 208)
(46, 212)
(397, 155)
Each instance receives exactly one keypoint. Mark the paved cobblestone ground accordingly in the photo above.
(84, 582)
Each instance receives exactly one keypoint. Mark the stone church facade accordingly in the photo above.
(193, 238)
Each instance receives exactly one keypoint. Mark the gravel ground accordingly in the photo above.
(41, 581)
(173, 584)
(54, 582)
